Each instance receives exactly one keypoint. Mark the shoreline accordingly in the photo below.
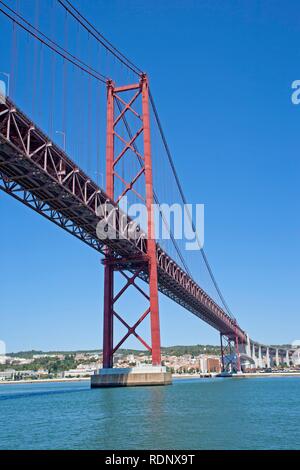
(174, 376)
(38, 381)
(267, 374)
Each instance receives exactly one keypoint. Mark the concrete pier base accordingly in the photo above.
(131, 377)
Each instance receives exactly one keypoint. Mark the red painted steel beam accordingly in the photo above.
(108, 315)
(121, 89)
(151, 243)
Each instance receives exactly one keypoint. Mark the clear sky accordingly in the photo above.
(221, 73)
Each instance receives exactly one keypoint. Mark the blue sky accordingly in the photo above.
(221, 73)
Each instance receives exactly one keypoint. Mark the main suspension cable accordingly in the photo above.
(169, 155)
(99, 37)
(52, 45)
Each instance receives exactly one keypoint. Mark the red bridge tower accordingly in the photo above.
(117, 107)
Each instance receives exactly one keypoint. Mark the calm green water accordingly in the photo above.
(261, 413)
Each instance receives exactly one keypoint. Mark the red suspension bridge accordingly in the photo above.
(40, 174)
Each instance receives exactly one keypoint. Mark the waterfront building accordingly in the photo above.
(7, 374)
(209, 364)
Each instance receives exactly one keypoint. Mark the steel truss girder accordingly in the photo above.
(30, 200)
(230, 355)
(26, 152)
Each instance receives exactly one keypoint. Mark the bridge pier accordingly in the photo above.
(277, 357)
(287, 358)
(248, 346)
(254, 356)
(268, 358)
(131, 377)
(260, 362)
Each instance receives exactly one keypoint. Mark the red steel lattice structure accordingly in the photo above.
(114, 94)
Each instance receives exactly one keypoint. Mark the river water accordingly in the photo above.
(256, 413)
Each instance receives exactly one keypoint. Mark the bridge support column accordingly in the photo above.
(248, 346)
(260, 362)
(222, 353)
(151, 242)
(287, 357)
(108, 320)
(268, 358)
(108, 316)
(253, 355)
(277, 357)
(237, 352)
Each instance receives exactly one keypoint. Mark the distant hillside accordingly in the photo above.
(194, 350)
(177, 350)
